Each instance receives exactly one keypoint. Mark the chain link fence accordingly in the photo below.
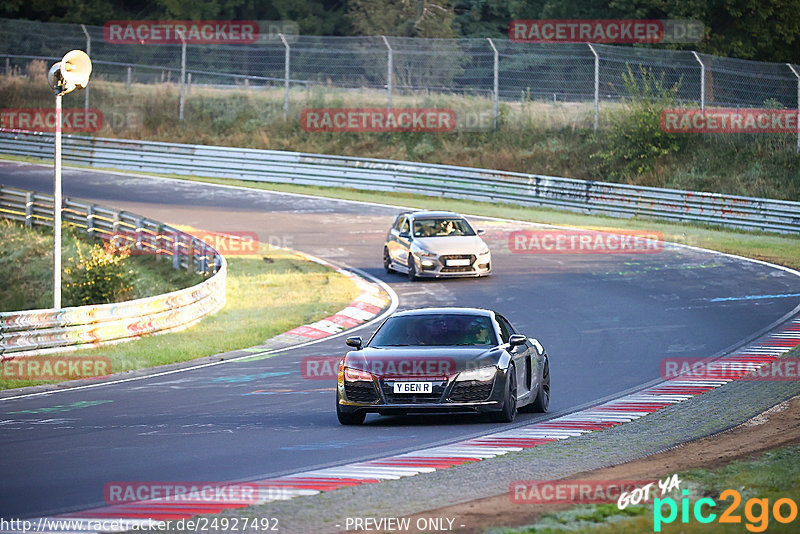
(404, 72)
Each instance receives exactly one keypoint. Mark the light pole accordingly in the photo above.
(71, 73)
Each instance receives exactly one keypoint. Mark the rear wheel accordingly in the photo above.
(346, 418)
(542, 401)
(509, 411)
(412, 268)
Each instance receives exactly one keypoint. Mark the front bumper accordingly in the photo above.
(447, 396)
(440, 266)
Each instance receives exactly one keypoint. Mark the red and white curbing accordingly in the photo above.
(764, 350)
(370, 302)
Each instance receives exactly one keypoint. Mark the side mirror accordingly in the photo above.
(480, 231)
(404, 235)
(516, 340)
(354, 342)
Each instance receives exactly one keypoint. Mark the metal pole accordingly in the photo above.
(128, 79)
(496, 80)
(57, 211)
(796, 75)
(286, 65)
(88, 53)
(596, 85)
(388, 73)
(183, 74)
(702, 81)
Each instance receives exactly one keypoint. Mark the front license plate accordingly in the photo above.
(413, 387)
(457, 263)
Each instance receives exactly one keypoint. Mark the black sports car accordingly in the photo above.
(443, 360)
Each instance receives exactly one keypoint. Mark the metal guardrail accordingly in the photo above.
(31, 332)
(428, 179)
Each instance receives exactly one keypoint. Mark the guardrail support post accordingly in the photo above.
(190, 257)
(128, 79)
(596, 85)
(496, 96)
(176, 252)
(8, 66)
(90, 220)
(29, 209)
(702, 81)
(88, 53)
(286, 70)
(796, 75)
(389, 70)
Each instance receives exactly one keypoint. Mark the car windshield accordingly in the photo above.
(438, 330)
(442, 227)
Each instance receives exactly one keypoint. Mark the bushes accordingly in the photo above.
(99, 277)
(636, 141)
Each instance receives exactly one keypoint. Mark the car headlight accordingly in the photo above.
(422, 253)
(484, 250)
(478, 375)
(355, 375)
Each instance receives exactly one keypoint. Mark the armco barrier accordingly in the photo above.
(427, 179)
(31, 332)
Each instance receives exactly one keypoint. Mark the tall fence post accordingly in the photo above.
(596, 85)
(388, 73)
(286, 70)
(183, 74)
(702, 81)
(496, 96)
(88, 53)
(796, 75)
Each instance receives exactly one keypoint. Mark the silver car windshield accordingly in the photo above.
(435, 330)
(442, 227)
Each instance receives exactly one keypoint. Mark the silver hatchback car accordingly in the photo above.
(435, 244)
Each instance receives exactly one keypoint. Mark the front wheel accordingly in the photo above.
(346, 418)
(412, 268)
(542, 401)
(509, 411)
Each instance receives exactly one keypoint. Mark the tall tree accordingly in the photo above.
(405, 18)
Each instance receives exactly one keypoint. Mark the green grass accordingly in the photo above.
(773, 475)
(532, 136)
(26, 259)
(263, 300)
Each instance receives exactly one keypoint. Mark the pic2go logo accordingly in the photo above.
(756, 511)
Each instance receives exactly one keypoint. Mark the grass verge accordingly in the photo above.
(772, 476)
(264, 298)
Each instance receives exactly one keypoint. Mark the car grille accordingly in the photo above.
(360, 391)
(458, 269)
(387, 386)
(471, 391)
